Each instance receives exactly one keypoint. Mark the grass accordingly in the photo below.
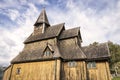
(116, 78)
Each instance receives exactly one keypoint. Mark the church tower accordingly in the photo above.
(41, 24)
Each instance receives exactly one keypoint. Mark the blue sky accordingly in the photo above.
(99, 20)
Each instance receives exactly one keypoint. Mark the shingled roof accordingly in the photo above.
(96, 52)
(61, 51)
(36, 55)
(70, 33)
(52, 31)
(42, 18)
(67, 50)
(71, 51)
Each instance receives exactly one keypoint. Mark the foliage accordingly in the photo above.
(115, 56)
(1, 73)
(116, 78)
(115, 52)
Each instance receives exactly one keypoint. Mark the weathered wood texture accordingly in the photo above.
(58, 70)
(101, 72)
(7, 72)
(37, 30)
(39, 44)
(46, 70)
(73, 73)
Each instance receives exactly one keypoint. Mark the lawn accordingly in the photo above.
(116, 78)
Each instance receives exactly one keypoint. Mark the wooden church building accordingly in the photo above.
(53, 53)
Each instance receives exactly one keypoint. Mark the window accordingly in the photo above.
(91, 65)
(18, 71)
(47, 53)
(72, 64)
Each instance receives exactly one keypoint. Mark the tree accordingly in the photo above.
(115, 57)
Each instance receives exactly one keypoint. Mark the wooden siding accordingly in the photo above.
(77, 72)
(7, 73)
(37, 30)
(45, 70)
(101, 72)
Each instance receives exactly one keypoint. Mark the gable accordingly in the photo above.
(48, 51)
(70, 50)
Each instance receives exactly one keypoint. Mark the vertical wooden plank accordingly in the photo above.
(74, 73)
(34, 71)
(58, 69)
(6, 75)
(108, 71)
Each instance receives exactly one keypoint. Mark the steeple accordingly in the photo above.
(42, 18)
(42, 23)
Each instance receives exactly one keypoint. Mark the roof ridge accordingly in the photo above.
(73, 28)
(57, 24)
(82, 52)
(97, 44)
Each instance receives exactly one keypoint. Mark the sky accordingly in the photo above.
(99, 21)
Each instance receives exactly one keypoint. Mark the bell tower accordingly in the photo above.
(42, 23)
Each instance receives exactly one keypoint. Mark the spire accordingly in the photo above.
(42, 19)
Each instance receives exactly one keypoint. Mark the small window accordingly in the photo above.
(47, 53)
(18, 71)
(91, 65)
(72, 64)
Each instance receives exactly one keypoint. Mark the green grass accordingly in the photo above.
(116, 78)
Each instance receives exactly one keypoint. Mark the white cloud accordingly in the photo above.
(12, 39)
(13, 14)
(44, 2)
(99, 27)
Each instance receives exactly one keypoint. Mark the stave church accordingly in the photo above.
(52, 52)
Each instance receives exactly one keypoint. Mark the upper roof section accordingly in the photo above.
(74, 32)
(50, 32)
(42, 18)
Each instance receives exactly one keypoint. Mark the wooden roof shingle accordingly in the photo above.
(63, 49)
(52, 31)
(42, 18)
(70, 33)
(98, 51)
(36, 55)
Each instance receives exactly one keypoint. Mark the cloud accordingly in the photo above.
(12, 39)
(95, 26)
(11, 13)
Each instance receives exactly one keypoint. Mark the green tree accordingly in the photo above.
(115, 57)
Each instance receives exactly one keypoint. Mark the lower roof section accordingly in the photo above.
(66, 53)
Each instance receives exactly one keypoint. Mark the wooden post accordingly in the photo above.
(55, 69)
(108, 71)
(58, 66)
(11, 72)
